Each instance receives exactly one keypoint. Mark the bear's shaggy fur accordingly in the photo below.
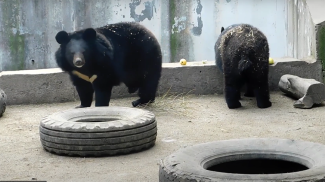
(98, 59)
(242, 54)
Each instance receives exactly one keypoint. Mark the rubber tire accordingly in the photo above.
(3, 102)
(69, 133)
(189, 164)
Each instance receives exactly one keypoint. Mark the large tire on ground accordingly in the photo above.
(98, 131)
(208, 162)
(3, 102)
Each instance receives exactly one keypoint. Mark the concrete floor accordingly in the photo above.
(183, 120)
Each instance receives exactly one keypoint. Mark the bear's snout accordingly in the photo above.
(78, 63)
(78, 60)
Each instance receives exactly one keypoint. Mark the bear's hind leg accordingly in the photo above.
(232, 95)
(249, 89)
(147, 92)
(233, 83)
(262, 94)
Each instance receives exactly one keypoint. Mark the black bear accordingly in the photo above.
(242, 54)
(98, 59)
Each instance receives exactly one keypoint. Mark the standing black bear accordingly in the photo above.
(242, 53)
(98, 59)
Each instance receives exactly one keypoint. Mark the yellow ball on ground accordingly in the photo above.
(271, 61)
(182, 61)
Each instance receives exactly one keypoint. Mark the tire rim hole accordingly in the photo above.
(252, 164)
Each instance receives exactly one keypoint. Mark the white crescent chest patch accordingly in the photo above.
(85, 77)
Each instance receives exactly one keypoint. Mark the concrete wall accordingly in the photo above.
(316, 8)
(196, 25)
(28, 27)
(52, 85)
(286, 23)
(300, 31)
(185, 28)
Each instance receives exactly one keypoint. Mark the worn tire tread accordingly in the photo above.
(80, 135)
(98, 141)
(98, 147)
(98, 131)
(101, 152)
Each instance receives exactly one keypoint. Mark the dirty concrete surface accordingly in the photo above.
(183, 120)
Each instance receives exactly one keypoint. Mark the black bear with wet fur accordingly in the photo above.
(106, 56)
(242, 54)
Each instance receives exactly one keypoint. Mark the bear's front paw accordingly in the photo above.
(233, 104)
(136, 103)
(80, 106)
(263, 105)
(139, 103)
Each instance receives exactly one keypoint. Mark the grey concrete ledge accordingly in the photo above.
(53, 85)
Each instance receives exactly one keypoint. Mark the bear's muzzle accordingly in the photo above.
(78, 60)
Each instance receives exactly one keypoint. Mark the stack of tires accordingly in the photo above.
(3, 102)
(98, 131)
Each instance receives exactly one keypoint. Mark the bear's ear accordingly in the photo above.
(89, 34)
(62, 37)
(222, 29)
